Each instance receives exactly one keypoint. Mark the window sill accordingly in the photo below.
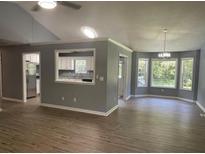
(163, 87)
(186, 90)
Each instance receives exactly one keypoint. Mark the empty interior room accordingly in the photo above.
(102, 76)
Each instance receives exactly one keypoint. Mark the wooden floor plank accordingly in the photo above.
(139, 125)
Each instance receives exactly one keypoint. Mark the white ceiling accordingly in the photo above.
(136, 24)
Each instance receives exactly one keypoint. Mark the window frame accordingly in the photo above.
(180, 81)
(147, 78)
(120, 66)
(176, 72)
(57, 80)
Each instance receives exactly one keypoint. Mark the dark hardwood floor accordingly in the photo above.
(140, 125)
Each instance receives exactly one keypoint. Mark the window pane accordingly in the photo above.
(186, 73)
(142, 72)
(164, 73)
(80, 66)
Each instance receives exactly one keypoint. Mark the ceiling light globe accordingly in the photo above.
(47, 4)
(89, 32)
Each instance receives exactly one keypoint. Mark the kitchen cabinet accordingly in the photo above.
(90, 64)
(34, 58)
(66, 63)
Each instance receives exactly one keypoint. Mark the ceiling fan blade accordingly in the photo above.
(70, 4)
(35, 8)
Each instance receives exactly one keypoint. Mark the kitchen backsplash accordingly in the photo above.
(70, 74)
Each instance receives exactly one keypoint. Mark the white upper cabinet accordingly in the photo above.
(89, 63)
(34, 58)
(66, 63)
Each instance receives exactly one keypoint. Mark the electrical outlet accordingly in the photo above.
(62, 98)
(75, 99)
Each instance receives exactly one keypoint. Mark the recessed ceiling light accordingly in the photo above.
(89, 32)
(47, 4)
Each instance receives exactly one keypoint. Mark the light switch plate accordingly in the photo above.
(101, 78)
(75, 99)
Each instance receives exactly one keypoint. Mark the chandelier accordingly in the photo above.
(164, 54)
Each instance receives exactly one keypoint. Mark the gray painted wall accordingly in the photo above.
(201, 83)
(114, 52)
(12, 73)
(177, 92)
(92, 97)
(98, 97)
(19, 26)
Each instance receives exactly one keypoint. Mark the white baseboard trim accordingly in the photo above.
(12, 99)
(111, 110)
(170, 97)
(128, 97)
(138, 96)
(200, 106)
(79, 109)
(186, 100)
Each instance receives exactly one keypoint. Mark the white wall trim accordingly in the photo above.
(111, 110)
(12, 99)
(128, 97)
(80, 110)
(69, 41)
(200, 106)
(170, 97)
(186, 100)
(120, 45)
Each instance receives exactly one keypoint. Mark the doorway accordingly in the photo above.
(31, 77)
(122, 77)
(0, 81)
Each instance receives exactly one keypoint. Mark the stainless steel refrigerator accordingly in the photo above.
(31, 79)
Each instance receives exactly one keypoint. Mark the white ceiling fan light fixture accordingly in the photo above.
(89, 32)
(47, 4)
(164, 54)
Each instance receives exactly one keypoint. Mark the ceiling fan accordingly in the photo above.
(50, 4)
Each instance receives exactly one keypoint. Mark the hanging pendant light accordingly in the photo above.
(164, 54)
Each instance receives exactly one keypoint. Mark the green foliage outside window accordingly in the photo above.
(142, 72)
(80, 66)
(186, 73)
(164, 73)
